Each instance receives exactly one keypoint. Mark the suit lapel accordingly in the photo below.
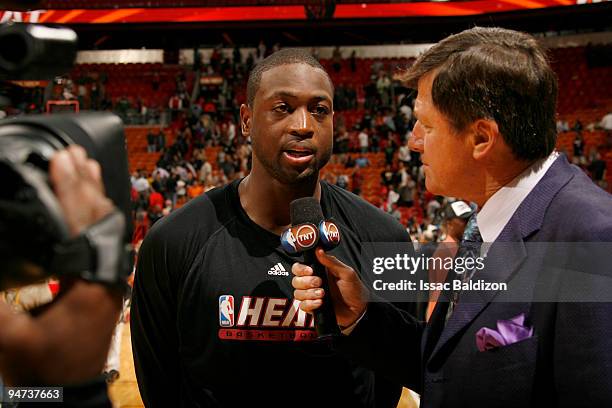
(503, 259)
(501, 264)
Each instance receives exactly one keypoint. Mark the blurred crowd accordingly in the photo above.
(200, 145)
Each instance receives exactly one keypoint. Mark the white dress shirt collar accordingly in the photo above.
(498, 210)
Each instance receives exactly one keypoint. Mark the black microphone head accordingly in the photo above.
(306, 210)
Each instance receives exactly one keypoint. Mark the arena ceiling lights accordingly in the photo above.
(333, 10)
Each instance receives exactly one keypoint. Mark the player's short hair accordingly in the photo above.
(285, 56)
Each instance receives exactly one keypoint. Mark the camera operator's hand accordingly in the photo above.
(68, 341)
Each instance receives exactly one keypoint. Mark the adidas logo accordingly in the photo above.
(278, 269)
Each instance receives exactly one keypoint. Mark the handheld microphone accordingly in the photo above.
(310, 230)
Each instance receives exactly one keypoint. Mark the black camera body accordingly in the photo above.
(35, 241)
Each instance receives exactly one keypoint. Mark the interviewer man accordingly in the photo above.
(486, 133)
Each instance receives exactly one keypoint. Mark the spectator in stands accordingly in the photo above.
(244, 157)
(351, 97)
(388, 120)
(228, 167)
(341, 141)
(95, 95)
(342, 181)
(577, 126)
(160, 140)
(181, 191)
(403, 154)
(606, 122)
(455, 217)
(562, 126)
(362, 161)
(434, 206)
(388, 177)
(364, 141)
(597, 169)
(168, 207)
(195, 189)
(122, 106)
(181, 143)
(383, 86)
(215, 59)
(374, 141)
(155, 214)
(205, 170)
(155, 81)
(348, 160)
(407, 188)
(578, 149)
(197, 156)
(151, 142)
(236, 57)
(158, 183)
(353, 61)
(375, 68)
(392, 198)
(175, 104)
(260, 51)
(155, 199)
(371, 95)
(337, 59)
(160, 172)
(171, 186)
(396, 213)
(389, 150)
(140, 182)
(231, 132)
(250, 62)
(340, 102)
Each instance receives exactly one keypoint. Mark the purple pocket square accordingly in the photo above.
(508, 332)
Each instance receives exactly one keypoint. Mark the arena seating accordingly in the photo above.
(137, 148)
(584, 95)
(134, 81)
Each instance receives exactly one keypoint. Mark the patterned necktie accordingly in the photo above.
(469, 247)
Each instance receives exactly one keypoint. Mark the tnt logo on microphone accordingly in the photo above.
(300, 238)
(306, 236)
(226, 310)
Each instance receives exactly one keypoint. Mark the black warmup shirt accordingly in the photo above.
(214, 322)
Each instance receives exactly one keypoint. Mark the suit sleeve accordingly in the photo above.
(153, 327)
(388, 341)
(582, 358)
(582, 348)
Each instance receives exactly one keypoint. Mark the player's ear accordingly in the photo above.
(245, 119)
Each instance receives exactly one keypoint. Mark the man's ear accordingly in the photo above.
(485, 137)
(245, 120)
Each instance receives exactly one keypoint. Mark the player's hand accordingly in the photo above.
(348, 293)
(68, 342)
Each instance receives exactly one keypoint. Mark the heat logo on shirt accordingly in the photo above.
(264, 319)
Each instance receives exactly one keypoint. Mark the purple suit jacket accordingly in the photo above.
(567, 361)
